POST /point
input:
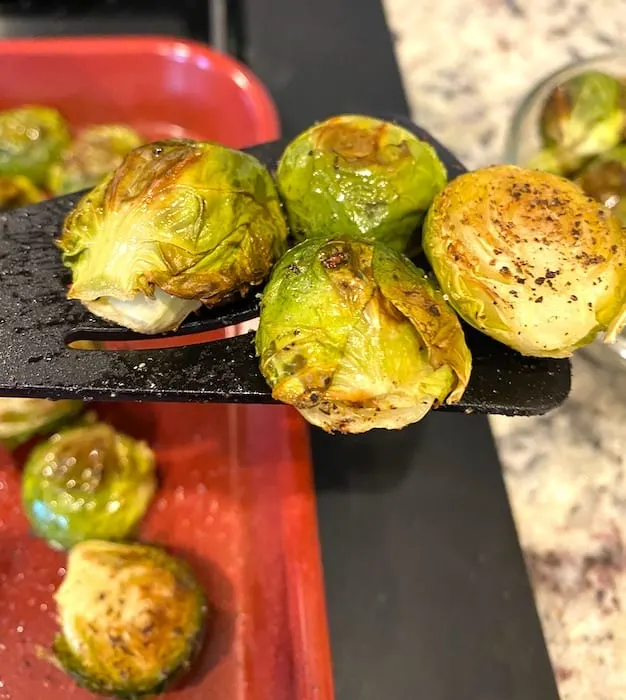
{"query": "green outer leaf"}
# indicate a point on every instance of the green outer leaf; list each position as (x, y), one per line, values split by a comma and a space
(197, 220)
(353, 330)
(419, 299)
(21, 419)
(304, 317)
(31, 139)
(528, 259)
(87, 482)
(358, 176)
(102, 672)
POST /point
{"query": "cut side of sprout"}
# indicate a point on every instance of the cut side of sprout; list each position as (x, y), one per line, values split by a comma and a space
(132, 619)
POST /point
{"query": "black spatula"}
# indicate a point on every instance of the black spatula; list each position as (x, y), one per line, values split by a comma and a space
(37, 322)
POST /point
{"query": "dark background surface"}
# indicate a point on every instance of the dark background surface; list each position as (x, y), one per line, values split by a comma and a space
(427, 593)
(426, 589)
(23, 18)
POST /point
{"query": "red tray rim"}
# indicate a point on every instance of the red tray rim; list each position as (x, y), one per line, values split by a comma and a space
(267, 120)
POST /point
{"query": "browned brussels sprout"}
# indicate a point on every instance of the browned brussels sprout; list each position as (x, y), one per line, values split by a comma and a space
(358, 176)
(581, 118)
(132, 618)
(21, 419)
(527, 258)
(17, 191)
(356, 337)
(87, 482)
(179, 224)
(95, 152)
(31, 140)
(604, 179)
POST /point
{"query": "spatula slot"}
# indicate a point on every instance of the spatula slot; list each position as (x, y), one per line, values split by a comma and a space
(81, 340)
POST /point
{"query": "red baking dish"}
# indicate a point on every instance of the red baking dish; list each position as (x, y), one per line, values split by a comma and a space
(161, 86)
(236, 496)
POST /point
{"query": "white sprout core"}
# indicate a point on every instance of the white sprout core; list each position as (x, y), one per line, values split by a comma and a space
(143, 314)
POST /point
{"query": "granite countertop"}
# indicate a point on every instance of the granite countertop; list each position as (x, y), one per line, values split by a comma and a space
(466, 66)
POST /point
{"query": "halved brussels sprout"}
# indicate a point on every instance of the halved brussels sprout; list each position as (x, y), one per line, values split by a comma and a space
(584, 116)
(21, 419)
(358, 176)
(17, 191)
(132, 618)
(528, 259)
(87, 482)
(604, 179)
(179, 224)
(95, 152)
(31, 140)
(356, 337)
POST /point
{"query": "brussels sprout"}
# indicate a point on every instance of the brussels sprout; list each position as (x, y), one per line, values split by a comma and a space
(358, 176)
(21, 419)
(551, 161)
(87, 482)
(604, 179)
(132, 618)
(31, 139)
(17, 191)
(179, 223)
(528, 259)
(584, 116)
(355, 337)
(94, 153)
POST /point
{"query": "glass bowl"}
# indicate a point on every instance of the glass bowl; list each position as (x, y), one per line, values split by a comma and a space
(523, 142)
(523, 139)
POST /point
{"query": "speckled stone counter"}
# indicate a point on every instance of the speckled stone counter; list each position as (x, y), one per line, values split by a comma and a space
(567, 484)
(466, 66)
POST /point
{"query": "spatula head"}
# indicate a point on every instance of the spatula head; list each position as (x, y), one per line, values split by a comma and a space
(37, 321)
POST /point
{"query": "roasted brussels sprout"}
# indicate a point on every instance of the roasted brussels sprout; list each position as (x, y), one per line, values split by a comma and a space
(21, 419)
(132, 618)
(604, 179)
(355, 337)
(87, 482)
(358, 176)
(584, 116)
(95, 152)
(17, 191)
(179, 223)
(528, 259)
(31, 139)
(550, 160)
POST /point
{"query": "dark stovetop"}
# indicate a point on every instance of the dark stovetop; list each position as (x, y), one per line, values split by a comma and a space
(428, 598)
(185, 18)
